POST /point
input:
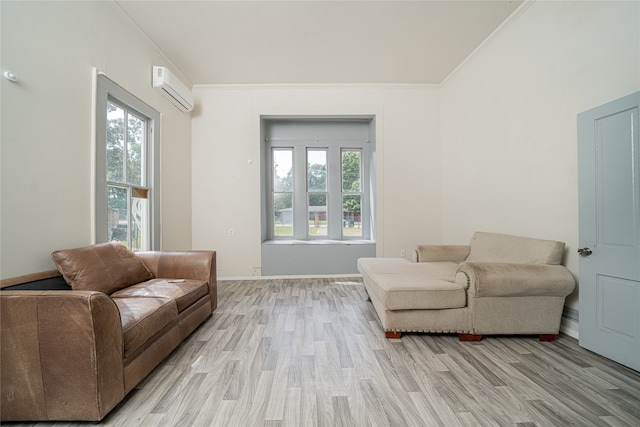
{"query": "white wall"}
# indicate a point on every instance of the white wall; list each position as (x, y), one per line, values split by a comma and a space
(226, 162)
(509, 118)
(493, 148)
(46, 135)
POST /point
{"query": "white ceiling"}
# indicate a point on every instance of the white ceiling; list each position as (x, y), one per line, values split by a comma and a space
(247, 42)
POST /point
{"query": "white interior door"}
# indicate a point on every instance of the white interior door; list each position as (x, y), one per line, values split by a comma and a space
(609, 179)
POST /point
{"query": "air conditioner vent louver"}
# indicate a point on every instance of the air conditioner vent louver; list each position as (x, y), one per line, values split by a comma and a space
(172, 88)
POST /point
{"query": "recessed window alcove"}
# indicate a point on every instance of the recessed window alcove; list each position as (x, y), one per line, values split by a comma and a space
(318, 193)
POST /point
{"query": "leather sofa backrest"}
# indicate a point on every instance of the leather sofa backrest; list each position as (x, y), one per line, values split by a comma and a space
(103, 267)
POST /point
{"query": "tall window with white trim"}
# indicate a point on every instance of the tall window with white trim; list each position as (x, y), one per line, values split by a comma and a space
(282, 194)
(318, 188)
(351, 161)
(317, 193)
(126, 179)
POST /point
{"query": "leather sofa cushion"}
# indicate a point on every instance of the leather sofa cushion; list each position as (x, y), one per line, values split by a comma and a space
(105, 267)
(402, 285)
(142, 318)
(184, 293)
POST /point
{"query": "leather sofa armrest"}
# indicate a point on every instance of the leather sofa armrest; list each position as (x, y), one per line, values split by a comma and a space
(196, 265)
(487, 279)
(61, 355)
(442, 253)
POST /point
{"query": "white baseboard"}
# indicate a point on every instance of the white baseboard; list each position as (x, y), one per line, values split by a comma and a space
(570, 327)
(311, 276)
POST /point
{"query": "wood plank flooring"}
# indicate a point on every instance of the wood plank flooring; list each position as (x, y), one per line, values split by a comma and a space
(310, 352)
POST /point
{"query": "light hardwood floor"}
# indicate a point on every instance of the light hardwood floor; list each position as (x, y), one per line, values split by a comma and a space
(310, 352)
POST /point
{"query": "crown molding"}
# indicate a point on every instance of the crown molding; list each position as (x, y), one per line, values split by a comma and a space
(136, 29)
(494, 35)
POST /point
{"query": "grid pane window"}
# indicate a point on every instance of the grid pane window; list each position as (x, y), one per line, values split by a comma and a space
(118, 205)
(317, 214)
(115, 143)
(283, 214)
(317, 192)
(128, 219)
(127, 166)
(351, 170)
(315, 183)
(316, 170)
(135, 150)
(283, 170)
(282, 201)
(140, 220)
(351, 192)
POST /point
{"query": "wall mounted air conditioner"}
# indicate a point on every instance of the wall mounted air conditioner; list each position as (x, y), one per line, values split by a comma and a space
(172, 88)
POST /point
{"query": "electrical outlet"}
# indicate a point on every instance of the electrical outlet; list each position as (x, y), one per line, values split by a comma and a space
(231, 232)
(403, 253)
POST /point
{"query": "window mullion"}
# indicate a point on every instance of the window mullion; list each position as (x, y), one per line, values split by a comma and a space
(129, 216)
(300, 222)
(125, 149)
(125, 173)
(364, 188)
(334, 182)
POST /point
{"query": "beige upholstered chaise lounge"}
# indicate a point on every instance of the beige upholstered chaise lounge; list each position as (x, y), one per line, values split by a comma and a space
(498, 284)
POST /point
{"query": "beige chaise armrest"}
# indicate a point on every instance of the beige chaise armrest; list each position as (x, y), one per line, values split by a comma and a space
(61, 355)
(196, 265)
(442, 253)
(489, 279)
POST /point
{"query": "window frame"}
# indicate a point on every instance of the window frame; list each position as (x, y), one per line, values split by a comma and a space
(334, 149)
(273, 192)
(107, 91)
(309, 192)
(348, 193)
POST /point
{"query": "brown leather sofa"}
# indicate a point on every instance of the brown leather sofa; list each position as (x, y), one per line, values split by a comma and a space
(75, 353)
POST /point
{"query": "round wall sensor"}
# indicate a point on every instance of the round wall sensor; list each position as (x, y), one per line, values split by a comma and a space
(9, 75)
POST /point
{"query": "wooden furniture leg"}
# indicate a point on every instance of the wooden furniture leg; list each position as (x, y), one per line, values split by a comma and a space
(469, 337)
(547, 337)
(392, 334)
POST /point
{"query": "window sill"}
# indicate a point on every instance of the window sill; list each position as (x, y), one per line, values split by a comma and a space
(293, 242)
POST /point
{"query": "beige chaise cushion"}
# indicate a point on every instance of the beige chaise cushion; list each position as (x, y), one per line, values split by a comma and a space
(402, 285)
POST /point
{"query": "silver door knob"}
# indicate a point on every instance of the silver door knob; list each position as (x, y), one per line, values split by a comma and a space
(585, 251)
